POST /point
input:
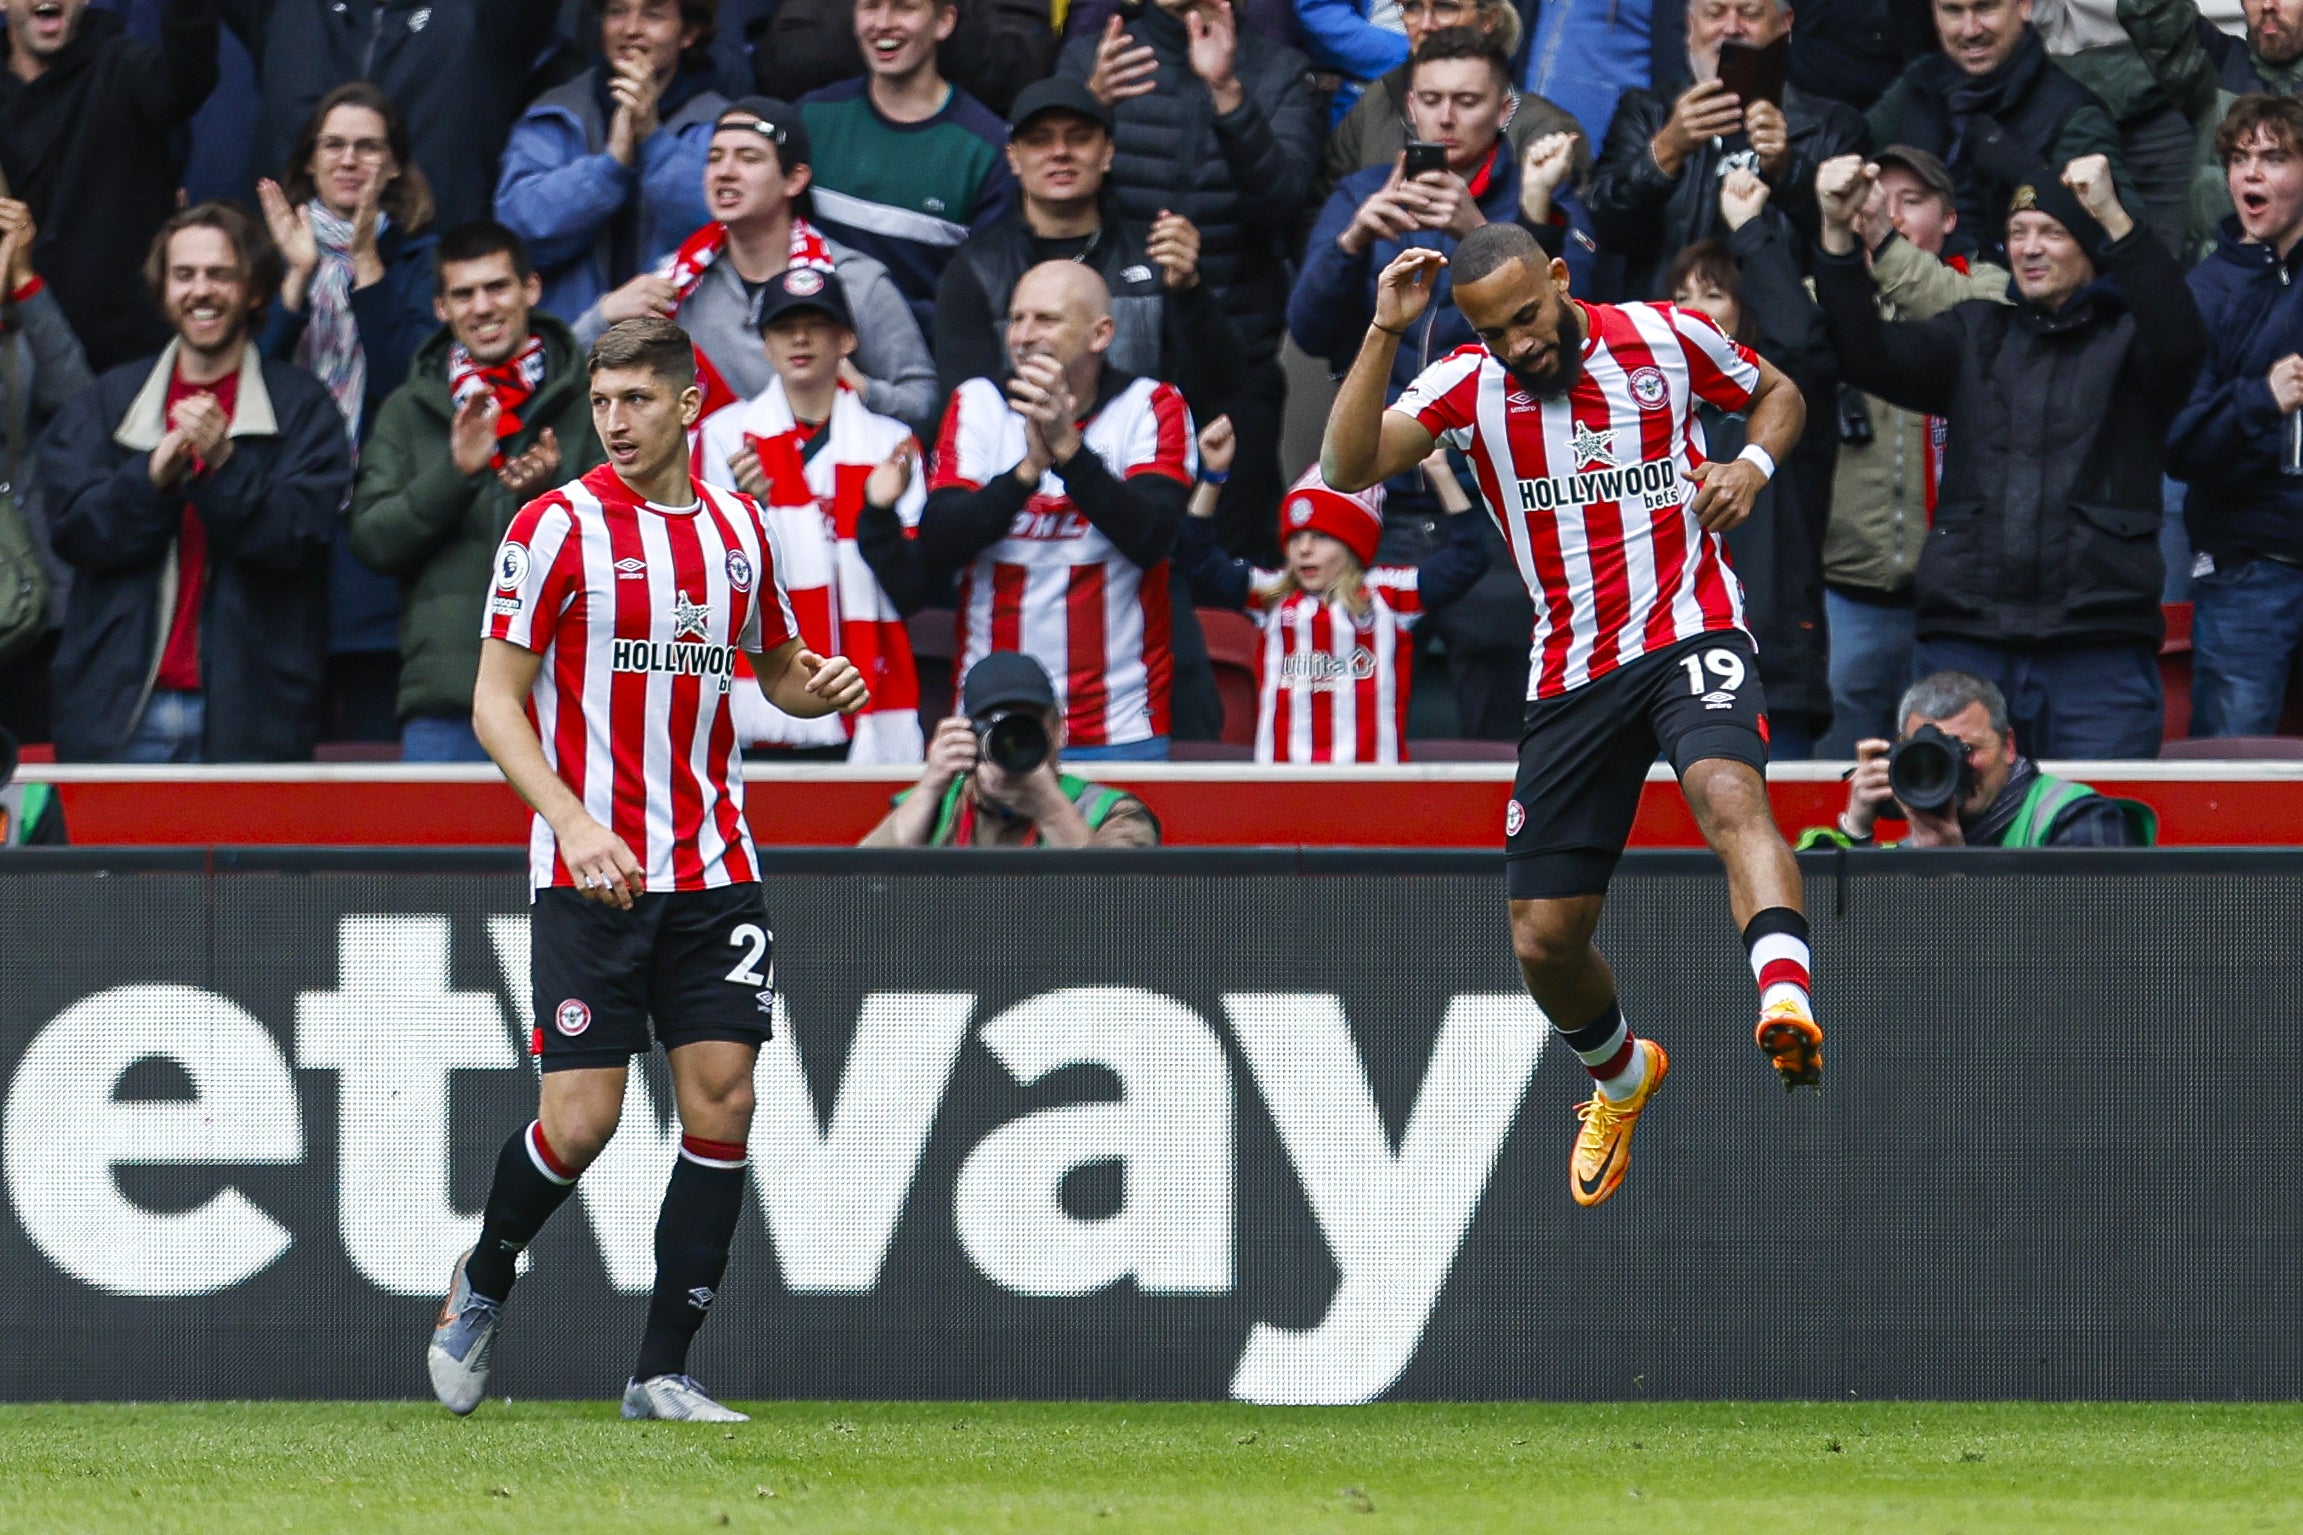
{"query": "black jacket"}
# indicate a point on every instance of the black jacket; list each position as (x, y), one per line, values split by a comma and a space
(1244, 179)
(268, 513)
(2228, 443)
(457, 68)
(1936, 106)
(88, 147)
(2047, 516)
(1778, 551)
(998, 48)
(1182, 337)
(1649, 218)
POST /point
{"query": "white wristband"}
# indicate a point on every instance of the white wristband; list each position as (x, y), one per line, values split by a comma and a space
(1757, 456)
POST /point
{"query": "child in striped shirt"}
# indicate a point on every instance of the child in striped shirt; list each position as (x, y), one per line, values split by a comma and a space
(1335, 668)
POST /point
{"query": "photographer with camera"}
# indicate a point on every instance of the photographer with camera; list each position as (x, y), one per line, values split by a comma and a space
(1955, 774)
(994, 777)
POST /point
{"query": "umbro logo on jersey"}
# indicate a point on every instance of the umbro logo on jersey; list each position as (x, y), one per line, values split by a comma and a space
(1591, 446)
(690, 618)
(1519, 399)
(1718, 700)
(701, 1297)
(767, 999)
(631, 568)
(1656, 479)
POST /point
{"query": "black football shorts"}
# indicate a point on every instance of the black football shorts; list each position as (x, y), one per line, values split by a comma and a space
(1584, 755)
(698, 963)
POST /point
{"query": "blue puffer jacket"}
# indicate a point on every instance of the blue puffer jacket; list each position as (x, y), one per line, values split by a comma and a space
(562, 192)
(2226, 442)
(1334, 299)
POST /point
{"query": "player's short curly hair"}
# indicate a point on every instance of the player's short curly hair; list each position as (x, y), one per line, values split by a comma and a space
(650, 342)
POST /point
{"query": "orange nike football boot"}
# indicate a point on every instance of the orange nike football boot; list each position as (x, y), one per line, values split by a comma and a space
(1602, 1153)
(1793, 1043)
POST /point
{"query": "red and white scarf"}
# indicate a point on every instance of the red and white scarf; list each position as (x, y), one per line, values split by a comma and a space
(811, 512)
(685, 268)
(513, 382)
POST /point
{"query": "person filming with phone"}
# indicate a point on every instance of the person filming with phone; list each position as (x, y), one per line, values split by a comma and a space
(995, 776)
(1656, 188)
(1955, 774)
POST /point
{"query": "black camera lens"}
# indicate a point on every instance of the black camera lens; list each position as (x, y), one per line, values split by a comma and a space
(1014, 740)
(1928, 770)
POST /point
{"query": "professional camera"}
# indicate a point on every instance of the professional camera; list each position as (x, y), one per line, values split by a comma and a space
(1928, 770)
(1016, 740)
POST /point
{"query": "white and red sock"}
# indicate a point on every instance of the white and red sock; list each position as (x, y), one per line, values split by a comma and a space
(1777, 941)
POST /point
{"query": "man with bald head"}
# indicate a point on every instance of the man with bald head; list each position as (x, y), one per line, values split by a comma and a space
(1580, 422)
(1057, 494)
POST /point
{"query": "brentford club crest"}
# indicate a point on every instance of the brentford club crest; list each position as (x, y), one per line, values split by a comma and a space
(572, 1018)
(1648, 391)
(1299, 511)
(1514, 817)
(739, 571)
(804, 282)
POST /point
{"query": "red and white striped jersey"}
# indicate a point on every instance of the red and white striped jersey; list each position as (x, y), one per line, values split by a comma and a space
(1055, 588)
(1333, 685)
(814, 498)
(639, 611)
(1592, 489)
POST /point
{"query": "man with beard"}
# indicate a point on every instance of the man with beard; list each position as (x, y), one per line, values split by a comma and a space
(1579, 421)
(2203, 71)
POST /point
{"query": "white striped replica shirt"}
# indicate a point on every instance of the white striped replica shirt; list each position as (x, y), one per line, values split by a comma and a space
(815, 494)
(1055, 588)
(639, 611)
(1334, 684)
(1592, 488)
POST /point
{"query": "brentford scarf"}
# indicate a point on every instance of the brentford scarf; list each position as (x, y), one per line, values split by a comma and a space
(850, 615)
(686, 267)
(513, 382)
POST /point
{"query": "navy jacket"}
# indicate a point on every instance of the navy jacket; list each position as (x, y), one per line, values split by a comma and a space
(1334, 298)
(2226, 443)
(268, 513)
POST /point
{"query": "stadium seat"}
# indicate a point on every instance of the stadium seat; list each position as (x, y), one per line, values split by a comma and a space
(935, 646)
(2235, 749)
(2175, 671)
(1462, 751)
(1232, 649)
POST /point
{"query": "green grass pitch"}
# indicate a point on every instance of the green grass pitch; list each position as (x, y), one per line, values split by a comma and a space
(984, 1468)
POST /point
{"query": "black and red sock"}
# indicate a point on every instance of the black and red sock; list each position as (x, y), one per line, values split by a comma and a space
(693, 1233)
(531, 1182)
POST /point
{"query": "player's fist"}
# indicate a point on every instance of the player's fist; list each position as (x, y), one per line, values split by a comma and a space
(601, 865)
(835, 680)
(1726, 493)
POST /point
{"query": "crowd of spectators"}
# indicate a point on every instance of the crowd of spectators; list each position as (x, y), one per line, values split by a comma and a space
(994, 301)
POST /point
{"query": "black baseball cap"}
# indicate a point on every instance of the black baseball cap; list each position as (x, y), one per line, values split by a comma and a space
(803, 287)
(1006, 679)
(1059, 94)
(779, 123)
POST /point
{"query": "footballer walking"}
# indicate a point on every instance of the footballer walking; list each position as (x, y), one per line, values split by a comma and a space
(1580, 422)
(620, 602)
